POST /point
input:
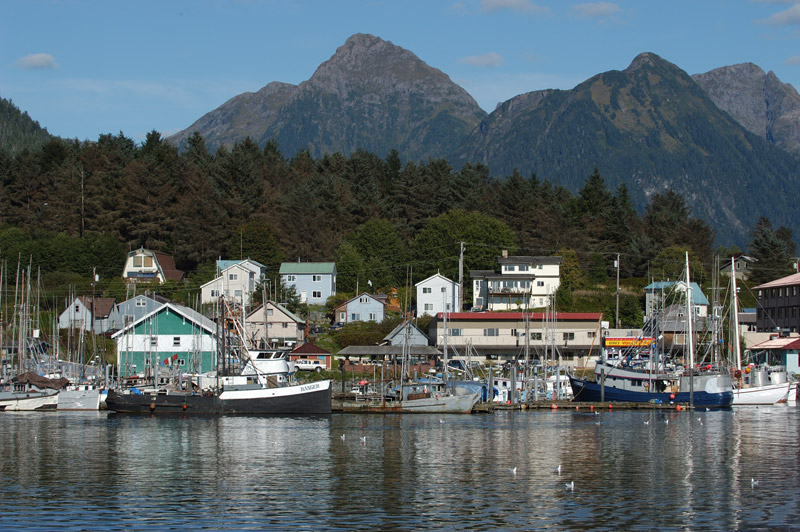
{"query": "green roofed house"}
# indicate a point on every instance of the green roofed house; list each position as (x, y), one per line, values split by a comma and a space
(171, 335)
(314, 282)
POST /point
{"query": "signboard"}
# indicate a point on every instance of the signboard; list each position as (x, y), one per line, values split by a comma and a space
(629, 342)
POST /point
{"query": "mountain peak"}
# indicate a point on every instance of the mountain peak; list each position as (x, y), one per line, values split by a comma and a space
(645, 59)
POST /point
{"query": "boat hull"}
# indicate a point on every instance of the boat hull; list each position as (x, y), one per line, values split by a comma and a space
(86, 398)
(28, 401)
(762, 395)
(590, 391)
(305, 399)
(449, 404)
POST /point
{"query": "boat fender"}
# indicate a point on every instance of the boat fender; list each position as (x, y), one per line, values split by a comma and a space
(184, 406)
(672, 397)
(152, 406)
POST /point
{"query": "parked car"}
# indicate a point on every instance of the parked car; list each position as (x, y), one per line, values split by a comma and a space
(336, 326)
(309, 364)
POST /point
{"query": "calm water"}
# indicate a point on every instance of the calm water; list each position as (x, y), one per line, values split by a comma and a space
(93, 471)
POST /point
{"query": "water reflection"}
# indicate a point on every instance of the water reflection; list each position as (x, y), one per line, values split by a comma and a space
(631, 470)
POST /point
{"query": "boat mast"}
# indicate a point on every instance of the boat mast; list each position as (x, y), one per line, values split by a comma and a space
(735, 317)
(689, 332)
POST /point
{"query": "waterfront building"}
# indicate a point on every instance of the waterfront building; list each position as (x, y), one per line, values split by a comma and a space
(314, 282)
(523, 283)
(437, 294)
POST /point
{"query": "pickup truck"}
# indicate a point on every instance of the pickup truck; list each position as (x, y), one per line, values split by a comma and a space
(309, 364)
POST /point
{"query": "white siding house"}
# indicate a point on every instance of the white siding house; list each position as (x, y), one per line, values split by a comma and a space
(236, 281)
(437, 294)
(523, 282)
(314, 282)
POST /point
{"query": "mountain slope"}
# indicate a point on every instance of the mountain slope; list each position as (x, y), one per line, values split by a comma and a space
(760, 102)
(649, 126)
(18, 130)
(370, 95)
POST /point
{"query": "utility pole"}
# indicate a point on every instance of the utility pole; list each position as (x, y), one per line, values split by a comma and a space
(616, 313)
(461, 279)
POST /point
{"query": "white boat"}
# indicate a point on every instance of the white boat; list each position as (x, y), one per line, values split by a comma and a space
(30, 400)
(80, 397)
(754, 385)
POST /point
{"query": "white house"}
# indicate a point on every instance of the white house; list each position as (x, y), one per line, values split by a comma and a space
(523, 282)
(437, 294)
(236, 280)
(658, 297)
(147, 266)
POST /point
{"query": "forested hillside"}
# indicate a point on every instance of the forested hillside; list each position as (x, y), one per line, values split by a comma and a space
(19, 131)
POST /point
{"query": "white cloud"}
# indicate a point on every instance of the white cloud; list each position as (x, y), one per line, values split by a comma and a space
(594, 10)
(784, 18)
(37, 61)
(521, 6)
(794, 60)
(490, 60)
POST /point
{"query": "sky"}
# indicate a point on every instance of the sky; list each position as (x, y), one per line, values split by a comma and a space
(83, 68)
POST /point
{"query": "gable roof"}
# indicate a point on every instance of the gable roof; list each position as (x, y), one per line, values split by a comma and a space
(308, 267)
(102, 305)
(698, 297)
(401, 327)
(167, 265)
(189, 314)
(352, 299)
(259, 311)
(434, 276)
(310, 348)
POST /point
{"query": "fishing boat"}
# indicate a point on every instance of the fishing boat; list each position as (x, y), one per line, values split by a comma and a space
(754, 385)
(261, 388)
(29, 392)
(642, 378)
(429, 397)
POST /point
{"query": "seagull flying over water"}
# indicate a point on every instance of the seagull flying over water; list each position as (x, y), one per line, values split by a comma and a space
(570, 486)
(646, 422)
(753, 483)
(342, 437)
(363, 440)
(559, 469)
(513, 470)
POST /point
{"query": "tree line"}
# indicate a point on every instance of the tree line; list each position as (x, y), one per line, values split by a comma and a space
(79, 205)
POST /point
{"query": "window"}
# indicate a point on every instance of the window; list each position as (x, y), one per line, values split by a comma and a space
(316, 278)
(154, 341)
(524, 267)
(316, 294)
(591, 334)
(342, 316)
(540, 266)
(569, 336)
(176, 341)
(759, 294)
(428, 306)
(77, 309)
(140, 302)
(290, 278)
(269, 311)
(137, 261)
(455, 332)
(491, 332)
(355, 317)
(536, 336)
(373, 316)
(364, 299)
(214, 293)
(426, 289)
(780, 292)
(148, 262)
(285, 325)
(233, 276)
(181, 362)
(444, 289)
(147, 362)
(509, 268)
(539, 283)
(237, 293)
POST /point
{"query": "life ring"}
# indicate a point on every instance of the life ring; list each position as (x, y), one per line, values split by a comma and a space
(647, 385)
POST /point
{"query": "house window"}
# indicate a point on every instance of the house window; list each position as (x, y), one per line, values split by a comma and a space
(181, 362)
(536, 336)
(147, 362)
(759, 294)
(455, 332)
(214, 293)
(444, 289)
(269, 312)
(509, 268)
(137, 261)
(491, 332)
(290, 278)
(428, 306)
(794, 290)
(233, 276)
(523, 267)
(426, 290)
(285, 325)
(316, 278)
(591, 334)
(342, 316)
(569, 336)
(539, 283)
(154, 341)
(316, 293)
(140, 302)
(355, 316)
(148, 262)
(127, 319)
(176, 341)
(540, 266)
(363, 300)
(780, 292)
(373, 316)
(77, 309)
(237, 293)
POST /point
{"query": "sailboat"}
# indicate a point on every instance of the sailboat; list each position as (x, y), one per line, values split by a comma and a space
(650, 380)
(754, 385)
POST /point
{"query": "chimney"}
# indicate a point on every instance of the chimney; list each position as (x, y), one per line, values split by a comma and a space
(504, 254)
